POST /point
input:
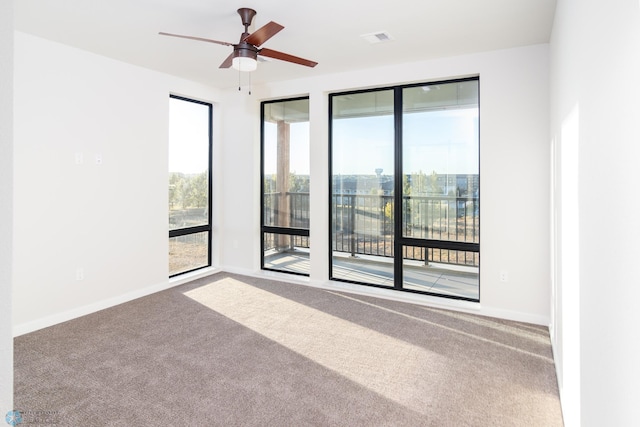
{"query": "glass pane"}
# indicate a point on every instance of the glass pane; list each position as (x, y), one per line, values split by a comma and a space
(188, 163)
(188, 252)
(362, 187)
(441, 162)
(286, 253)
(440, 189)
(440, 271)
(286, 164)
(441, 218)
(363, 269)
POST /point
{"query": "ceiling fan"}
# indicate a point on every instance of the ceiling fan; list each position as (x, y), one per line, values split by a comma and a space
(245, 52)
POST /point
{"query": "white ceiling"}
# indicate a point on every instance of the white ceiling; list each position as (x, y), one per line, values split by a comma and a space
(326, 31)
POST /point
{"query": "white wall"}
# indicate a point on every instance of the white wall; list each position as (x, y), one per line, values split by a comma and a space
(514, 97)
(108, 219)
(595, 69)
(6, 201)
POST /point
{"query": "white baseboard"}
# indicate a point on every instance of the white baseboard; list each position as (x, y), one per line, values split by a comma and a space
(516, 316)
(426, 300)
(194, 275)
(54, 319)
(412, 298)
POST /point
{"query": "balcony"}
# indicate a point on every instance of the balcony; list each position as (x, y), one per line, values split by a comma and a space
(363, 245)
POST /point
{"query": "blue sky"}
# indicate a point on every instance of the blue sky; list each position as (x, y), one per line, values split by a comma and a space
(444, 141)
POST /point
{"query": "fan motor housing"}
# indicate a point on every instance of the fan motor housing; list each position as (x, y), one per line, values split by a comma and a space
(245, 50)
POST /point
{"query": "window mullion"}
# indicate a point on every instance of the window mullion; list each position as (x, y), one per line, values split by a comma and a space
(397, 197)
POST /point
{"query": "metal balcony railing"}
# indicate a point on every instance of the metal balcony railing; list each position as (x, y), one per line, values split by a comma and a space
(364, 224)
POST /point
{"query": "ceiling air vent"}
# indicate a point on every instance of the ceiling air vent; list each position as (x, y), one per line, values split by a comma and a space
(377, 37)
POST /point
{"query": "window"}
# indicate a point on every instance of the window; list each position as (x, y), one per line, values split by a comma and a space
(405, 206)
(189, 185)
(285, 185)
(363, 182)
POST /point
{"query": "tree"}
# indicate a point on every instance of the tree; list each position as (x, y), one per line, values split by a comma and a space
(388, 210)
(199, 190)
(176, 189)
(434, 187)
(188, 191)
(298, 183)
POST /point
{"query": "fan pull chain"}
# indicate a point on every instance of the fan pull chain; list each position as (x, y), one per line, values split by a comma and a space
(240, 82)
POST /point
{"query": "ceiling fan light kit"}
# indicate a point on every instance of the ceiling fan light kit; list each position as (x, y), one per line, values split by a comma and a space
(243, 63)
(245, 57)
(245, 52)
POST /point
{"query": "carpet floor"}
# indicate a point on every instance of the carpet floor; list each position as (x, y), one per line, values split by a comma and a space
(229, 350)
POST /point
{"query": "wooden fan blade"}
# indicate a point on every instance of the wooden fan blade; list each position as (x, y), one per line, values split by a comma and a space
(196, 38)
(227, 62)
(263, 33)
(286, 57)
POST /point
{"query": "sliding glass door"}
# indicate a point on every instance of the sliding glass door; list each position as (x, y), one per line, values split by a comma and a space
(405, 206)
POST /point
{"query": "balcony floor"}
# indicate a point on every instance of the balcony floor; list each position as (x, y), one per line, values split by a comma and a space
(440, 279)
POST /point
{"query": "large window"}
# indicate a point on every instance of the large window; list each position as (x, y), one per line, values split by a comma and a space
(363, 180)
(405, 207)
(189, 185)
(285, 186)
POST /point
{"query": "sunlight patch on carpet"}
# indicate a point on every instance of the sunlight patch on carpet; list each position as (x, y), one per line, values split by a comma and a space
(450, 329)
(374, 360)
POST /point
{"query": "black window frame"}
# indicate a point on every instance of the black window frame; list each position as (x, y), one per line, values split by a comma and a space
(399, 240)
(266, 229)
(207, 227)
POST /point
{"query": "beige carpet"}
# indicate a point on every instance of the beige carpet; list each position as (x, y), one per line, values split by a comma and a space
(236, 351)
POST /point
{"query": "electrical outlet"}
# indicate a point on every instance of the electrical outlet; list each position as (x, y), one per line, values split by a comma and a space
(79, 274)
(504, 276)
